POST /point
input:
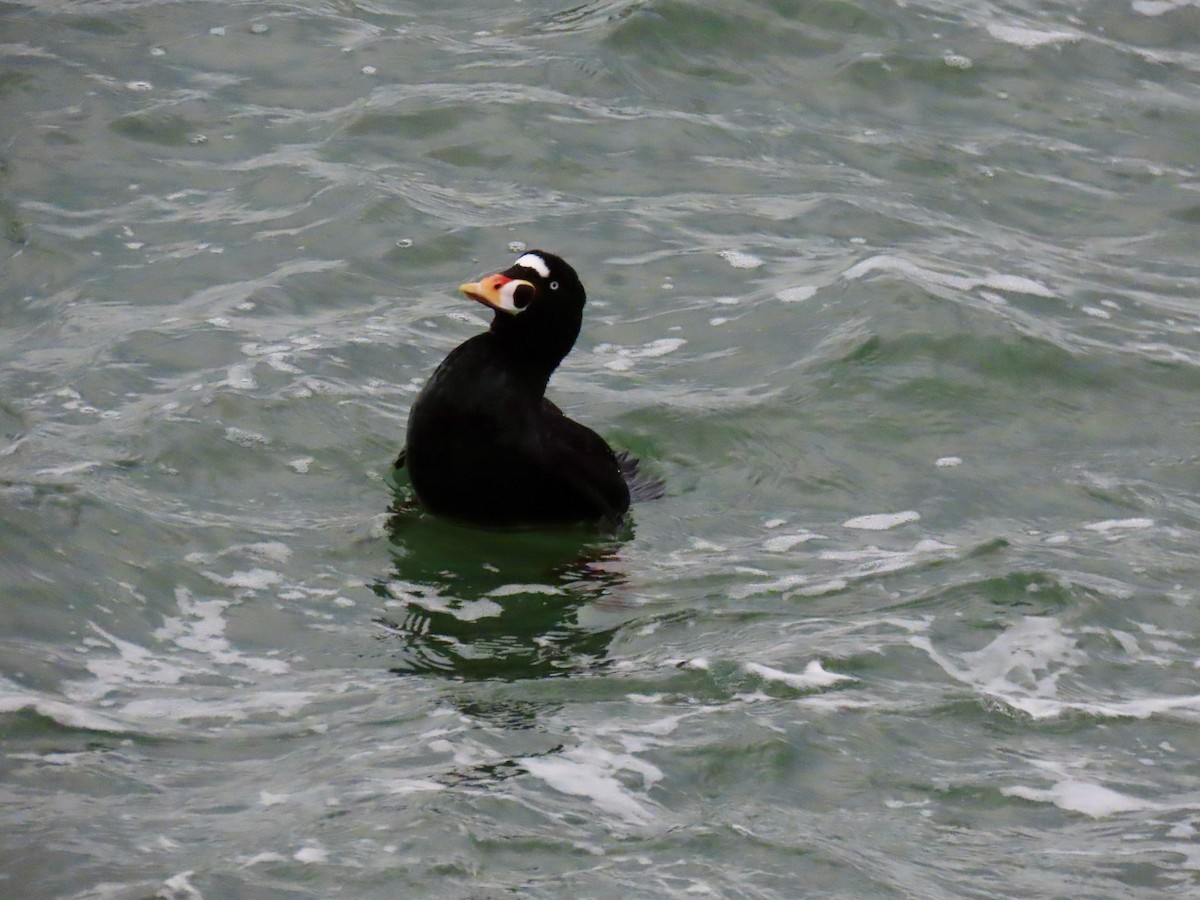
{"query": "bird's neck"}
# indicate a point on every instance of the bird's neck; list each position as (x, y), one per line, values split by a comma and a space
(530, 361)
(524, 368)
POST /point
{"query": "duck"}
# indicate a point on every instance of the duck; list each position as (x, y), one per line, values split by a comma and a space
(485, 447)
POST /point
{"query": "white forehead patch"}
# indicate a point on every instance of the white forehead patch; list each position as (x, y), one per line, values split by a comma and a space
(535, 262)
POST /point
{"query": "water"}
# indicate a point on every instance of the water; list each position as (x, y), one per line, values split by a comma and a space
(899, 298)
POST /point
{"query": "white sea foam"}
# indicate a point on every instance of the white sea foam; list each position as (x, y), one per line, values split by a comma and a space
(796, 294)
(647, 699)
(200, 627)
(591, 772)
(839, 701)
(70, 469)
(1016, 284)
(466, 318)
(14, 698)
(179, 887)
(66, 760)
(661, 347)
(275, 551)
(1030, 37)
(251, 579)
(864, 562)
(508, 590)
(301, 464)
(311, 855)
(278, 362)
(411, 786)
(463, 610)
(829, 586)
(657, 727)
(1159, 7)
(133, 665)
(199, 630)
(182, 708)
(624, 357)
(268, 856)
(740, 259)
(814, 676)
(245, 438)
(240, 377)
(781, 543)
(1022, 667)
(1120, 525)
(1093, 800)
(882, 521)
(778, 585)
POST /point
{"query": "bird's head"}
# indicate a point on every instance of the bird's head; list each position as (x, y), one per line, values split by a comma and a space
(538, 303)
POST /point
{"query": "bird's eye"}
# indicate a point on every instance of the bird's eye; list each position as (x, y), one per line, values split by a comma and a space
(523, 296)
(554, 285)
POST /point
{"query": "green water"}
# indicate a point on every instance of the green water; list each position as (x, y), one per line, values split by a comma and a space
(900, 299)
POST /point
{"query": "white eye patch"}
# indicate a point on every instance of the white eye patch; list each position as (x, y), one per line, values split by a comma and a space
(535, 262)
(515, 296)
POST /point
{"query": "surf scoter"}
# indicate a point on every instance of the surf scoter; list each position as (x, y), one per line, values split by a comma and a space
(485, 446)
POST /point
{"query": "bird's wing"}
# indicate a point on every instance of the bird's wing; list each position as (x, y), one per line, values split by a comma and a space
(585, 465)
(586, 444)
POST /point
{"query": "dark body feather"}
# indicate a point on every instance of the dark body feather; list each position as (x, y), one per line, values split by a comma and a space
(486, 446)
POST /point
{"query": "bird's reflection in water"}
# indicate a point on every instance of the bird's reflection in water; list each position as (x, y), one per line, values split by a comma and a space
(473, 604)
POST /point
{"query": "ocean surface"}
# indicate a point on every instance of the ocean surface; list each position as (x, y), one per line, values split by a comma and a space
(901, 300)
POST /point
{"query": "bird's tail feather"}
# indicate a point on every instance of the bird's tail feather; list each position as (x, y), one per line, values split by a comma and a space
(641, 485)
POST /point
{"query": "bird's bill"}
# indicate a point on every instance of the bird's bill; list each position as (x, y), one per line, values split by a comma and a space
(500, 292)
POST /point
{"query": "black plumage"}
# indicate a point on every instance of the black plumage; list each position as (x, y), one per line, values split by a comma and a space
(485, 446)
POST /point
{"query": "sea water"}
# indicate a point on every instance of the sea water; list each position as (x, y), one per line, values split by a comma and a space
(900, 300)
